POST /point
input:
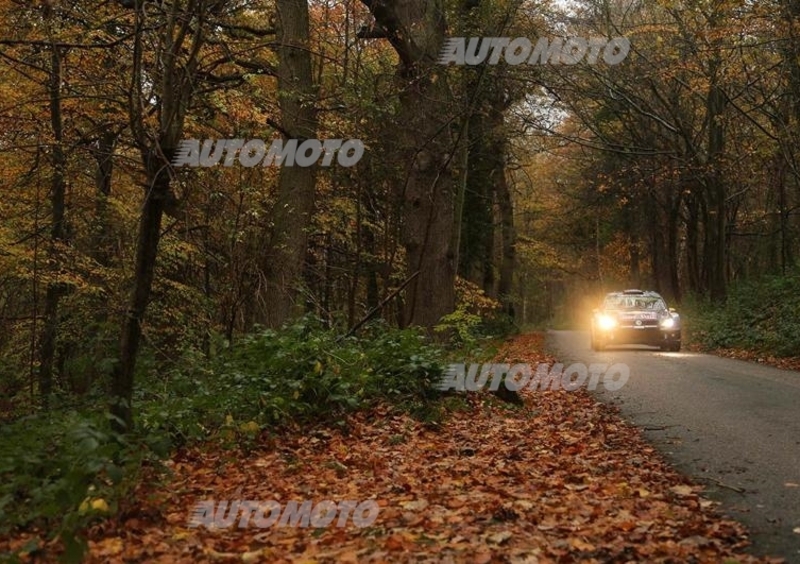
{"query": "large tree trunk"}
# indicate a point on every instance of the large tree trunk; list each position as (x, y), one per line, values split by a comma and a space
(295, 202)
(476, 250)
(673, 221)
(428, 137)
(693, 251)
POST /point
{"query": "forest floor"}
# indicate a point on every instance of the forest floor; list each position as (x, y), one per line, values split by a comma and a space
(560, 479)
(783, 362)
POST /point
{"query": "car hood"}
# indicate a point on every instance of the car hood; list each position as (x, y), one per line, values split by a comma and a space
(637, 313)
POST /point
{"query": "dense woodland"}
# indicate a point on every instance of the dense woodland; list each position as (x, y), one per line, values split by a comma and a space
(490, 194)
(146, 308)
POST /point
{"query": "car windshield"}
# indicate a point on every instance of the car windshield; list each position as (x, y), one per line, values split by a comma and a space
(634, 302)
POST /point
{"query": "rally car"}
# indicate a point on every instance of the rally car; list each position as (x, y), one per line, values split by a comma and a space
(636, 317)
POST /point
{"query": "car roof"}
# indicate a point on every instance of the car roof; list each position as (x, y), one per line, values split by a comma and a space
(643, 293)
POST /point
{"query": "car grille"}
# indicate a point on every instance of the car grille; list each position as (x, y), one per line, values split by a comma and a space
(644, 319)
(639, 323)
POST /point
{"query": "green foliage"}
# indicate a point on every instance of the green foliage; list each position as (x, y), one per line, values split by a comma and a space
(60, 471)
(301, 373)
(761, 315)
(462, 325)
(55, 466)
(476, 317)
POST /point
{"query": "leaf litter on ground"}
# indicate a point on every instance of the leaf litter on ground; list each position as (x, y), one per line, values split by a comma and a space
(561, 479)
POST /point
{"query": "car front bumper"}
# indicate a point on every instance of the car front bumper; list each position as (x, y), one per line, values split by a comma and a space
(654, 336)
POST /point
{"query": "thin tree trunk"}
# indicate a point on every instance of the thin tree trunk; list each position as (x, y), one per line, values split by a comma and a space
(58, 230)
(717, 268)
(509, 238)
(693, 244)
(144, 270)
(104, 155)
(673, 220)
(182, 34)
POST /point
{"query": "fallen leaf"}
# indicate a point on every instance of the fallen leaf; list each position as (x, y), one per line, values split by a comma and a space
(682, 490)
(580, 544)
(500, 538)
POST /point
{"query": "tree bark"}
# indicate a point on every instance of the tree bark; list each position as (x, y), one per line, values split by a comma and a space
(144, 271)
(179, 46)
(715, 185)
(428, 136)
(58, 232)
(295, 201)
(509, 238)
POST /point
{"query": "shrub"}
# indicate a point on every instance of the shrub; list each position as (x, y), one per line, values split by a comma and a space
(761, 315)
(61, 470)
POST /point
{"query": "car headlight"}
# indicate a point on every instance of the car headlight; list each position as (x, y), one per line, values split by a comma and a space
(606, 322)
(668, 323)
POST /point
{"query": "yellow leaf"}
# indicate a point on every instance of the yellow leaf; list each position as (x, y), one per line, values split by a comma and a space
(255, 556)
(100, 505)
(90, 504)
(250, 427)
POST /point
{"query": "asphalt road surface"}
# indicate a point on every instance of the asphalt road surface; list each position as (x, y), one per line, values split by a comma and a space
(727, 424)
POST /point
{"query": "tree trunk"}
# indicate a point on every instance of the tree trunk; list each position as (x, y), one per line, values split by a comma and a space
(180, 43)
(693, 269)
(295, 201)
(58, 231)
(509, 238)
(717, 268)
(144, 270)
(673, 219)
(428, 136)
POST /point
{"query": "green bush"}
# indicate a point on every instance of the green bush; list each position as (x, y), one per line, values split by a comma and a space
(55, 465)
(59, 471)
(761, 315)
(301, 373)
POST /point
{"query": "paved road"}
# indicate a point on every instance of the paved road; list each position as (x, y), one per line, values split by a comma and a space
(719, 421)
